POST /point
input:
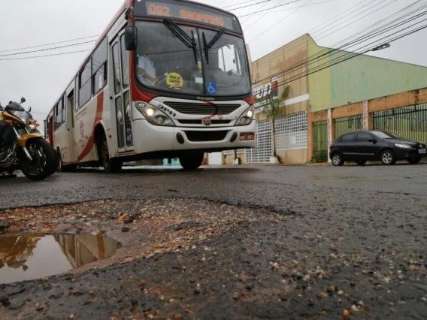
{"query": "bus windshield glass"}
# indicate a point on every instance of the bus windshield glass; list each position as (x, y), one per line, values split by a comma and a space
(191, 60)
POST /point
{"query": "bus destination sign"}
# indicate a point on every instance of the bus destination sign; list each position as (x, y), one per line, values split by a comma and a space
(188, 11)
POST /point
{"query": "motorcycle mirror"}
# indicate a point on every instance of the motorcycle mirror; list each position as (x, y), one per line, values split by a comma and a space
(23, 100)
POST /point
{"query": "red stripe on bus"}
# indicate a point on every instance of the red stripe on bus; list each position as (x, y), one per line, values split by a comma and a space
(98, 117)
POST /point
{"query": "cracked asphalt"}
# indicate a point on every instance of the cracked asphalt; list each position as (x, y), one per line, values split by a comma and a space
(312, 242)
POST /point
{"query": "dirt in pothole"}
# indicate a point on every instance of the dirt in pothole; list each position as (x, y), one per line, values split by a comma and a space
(191, 259)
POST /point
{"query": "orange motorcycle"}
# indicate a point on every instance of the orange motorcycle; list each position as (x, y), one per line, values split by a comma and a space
(22, 147)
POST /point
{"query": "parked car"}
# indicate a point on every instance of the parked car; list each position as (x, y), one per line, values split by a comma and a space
(363, 146)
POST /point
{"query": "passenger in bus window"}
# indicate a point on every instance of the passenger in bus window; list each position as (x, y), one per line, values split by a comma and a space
(146, 70)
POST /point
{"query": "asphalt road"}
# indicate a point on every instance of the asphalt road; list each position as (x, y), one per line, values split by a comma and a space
(302, 190)
(362, 229)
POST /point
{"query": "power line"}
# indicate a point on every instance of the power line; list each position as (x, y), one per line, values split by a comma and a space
(359, 17)
(329, 52)
(48, 44)
(270, 8)
(375, 26)
(250, 5)
(238, 4)
(330, 26)
(289, 13)
(47, 49)
(46, 55)
(373, 34)
(348, 56)
(343, 14)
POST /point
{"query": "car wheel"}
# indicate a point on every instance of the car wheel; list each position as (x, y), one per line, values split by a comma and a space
(414, 160)
(337, 160)
(361, 162)
(388, 158)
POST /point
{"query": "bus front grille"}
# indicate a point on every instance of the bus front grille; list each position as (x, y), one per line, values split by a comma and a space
(200, 122)
(202, 108)
(201, 136)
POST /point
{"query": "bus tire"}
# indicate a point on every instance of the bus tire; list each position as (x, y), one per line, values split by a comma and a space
(109, 165)
(192, 160)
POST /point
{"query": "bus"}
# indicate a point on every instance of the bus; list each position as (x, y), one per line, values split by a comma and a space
(167, 79)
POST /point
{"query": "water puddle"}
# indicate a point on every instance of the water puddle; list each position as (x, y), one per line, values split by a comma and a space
(29, 257)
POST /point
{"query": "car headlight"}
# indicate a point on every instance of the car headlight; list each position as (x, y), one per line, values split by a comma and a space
(154, 115)
(246, 118)
(402, 146)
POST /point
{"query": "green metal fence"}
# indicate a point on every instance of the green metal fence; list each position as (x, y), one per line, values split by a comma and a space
(407, 122)
(348, 124)
(320, 141)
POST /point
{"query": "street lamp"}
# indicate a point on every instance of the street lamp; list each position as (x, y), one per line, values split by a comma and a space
(382, 47)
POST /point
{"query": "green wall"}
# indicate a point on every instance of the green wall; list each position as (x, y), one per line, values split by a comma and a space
(361, 78)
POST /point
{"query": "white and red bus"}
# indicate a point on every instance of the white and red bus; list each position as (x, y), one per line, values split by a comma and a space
(168, 78)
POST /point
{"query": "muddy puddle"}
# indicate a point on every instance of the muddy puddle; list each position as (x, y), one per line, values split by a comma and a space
(29, 257)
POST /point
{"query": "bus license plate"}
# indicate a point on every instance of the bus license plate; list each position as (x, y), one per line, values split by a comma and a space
(247, 136)
(422, 151)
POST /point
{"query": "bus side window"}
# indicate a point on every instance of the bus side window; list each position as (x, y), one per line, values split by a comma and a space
(99, 67)
(63, 112)
(85, 83)
(70, 107)
(57, 116)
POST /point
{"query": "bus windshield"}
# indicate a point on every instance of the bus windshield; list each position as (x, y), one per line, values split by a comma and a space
(191, 60)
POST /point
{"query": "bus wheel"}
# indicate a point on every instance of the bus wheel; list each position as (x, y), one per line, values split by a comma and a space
(191, 160)
(109, 165)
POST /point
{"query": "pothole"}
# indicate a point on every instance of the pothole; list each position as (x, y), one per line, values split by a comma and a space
(29, 257)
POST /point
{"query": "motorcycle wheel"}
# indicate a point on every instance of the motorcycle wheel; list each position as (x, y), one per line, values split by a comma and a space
(44, 161)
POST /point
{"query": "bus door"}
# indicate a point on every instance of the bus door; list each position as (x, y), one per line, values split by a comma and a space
(70, 105)
(122, 105)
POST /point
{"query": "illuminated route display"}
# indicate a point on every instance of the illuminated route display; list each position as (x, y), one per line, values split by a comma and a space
(187, 11)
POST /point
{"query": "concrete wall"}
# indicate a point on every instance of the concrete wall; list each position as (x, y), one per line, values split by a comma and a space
(293, 156)
(277, 65)
(361, 78)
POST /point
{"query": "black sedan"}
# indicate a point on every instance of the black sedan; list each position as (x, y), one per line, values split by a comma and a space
(363, 146)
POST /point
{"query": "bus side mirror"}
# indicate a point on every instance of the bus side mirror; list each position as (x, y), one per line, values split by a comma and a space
(130, 38)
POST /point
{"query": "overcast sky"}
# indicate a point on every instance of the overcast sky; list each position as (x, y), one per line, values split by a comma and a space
(29, 22)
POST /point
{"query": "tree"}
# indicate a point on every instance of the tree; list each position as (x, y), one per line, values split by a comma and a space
(274, 103)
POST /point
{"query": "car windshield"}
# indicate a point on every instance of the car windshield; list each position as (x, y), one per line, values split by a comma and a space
(383, 135)
(192, 61)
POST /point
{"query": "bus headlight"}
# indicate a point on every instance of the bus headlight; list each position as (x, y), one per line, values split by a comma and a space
(246, 118)
(154, 115)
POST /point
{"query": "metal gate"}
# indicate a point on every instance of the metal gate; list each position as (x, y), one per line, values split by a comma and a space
(264, 144)
(407, 122)
(348, 124)
(320, 141)
(291, 132)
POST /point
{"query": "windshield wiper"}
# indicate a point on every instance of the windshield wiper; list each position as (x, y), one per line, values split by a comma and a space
(207, 46)
(178, 32)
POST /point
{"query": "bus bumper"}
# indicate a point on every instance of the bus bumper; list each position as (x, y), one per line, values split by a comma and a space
(149, 138)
